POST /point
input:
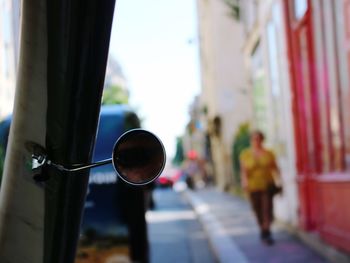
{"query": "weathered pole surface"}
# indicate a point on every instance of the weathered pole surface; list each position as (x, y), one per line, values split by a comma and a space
(21, 200)
(63, 56)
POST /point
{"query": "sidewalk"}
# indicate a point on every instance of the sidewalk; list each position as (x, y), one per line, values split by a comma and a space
(234, 235)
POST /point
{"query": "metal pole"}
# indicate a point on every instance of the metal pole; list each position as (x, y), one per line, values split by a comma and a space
(21, 200)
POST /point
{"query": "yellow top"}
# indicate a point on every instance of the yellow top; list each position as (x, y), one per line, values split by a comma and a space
(259, 169)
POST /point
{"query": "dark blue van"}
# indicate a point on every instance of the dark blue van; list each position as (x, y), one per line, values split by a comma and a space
(4, 133)
(113, 225)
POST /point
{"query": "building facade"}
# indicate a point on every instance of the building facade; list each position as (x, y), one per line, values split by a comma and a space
(114, 74)
(266, 61)
(9, 56)
(318, 50)
(9, 52)
(224, 95)
(298, 60)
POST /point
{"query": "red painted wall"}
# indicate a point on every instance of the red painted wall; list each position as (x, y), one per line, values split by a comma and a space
(323, 197)
(335, 210)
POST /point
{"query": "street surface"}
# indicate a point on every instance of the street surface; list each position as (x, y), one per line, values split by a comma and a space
(207, 225)
(234, 235)
(175, 234)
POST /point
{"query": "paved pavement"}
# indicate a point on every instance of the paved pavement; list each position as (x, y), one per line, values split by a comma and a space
(175, 234)
(234, 236)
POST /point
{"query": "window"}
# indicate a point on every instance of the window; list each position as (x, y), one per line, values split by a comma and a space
(300, 8)
(260, 92)
(278, 99)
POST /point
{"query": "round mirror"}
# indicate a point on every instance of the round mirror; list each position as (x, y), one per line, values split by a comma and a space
(138, 157)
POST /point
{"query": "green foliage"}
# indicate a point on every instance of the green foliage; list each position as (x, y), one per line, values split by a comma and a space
(241, 142)
(191, 127)
(179, 155)
(235, 8)
(132, 121)
(114, 95)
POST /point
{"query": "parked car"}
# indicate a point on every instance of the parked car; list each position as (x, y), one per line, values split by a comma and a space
(4, 133)
(169, 177)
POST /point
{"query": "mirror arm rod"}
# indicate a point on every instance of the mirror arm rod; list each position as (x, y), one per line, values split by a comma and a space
(78, 167)
(42, 160)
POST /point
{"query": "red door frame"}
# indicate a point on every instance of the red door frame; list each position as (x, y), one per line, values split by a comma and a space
(346, 11)
(322, 195)
(307, 166)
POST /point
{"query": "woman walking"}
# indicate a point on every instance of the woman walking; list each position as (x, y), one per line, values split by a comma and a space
(259, 172)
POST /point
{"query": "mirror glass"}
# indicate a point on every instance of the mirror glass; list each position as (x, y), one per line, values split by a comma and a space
(138, 157)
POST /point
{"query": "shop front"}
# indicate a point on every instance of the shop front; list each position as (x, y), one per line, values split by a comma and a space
(318, 37)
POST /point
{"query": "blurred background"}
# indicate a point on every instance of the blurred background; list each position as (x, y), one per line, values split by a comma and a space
(201, 75)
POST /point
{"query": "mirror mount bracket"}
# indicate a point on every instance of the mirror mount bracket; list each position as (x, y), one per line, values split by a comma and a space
(40, 160)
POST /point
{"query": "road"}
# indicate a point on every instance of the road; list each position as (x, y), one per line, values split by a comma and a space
(175, 234)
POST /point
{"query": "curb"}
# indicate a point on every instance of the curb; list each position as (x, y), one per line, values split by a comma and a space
(224, 248)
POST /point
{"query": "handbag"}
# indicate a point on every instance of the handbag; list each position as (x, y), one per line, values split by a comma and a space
(274, 189)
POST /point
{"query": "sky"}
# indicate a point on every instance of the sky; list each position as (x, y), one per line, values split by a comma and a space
(155, 42)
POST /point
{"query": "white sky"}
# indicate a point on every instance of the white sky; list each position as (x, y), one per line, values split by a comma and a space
(150, 39)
